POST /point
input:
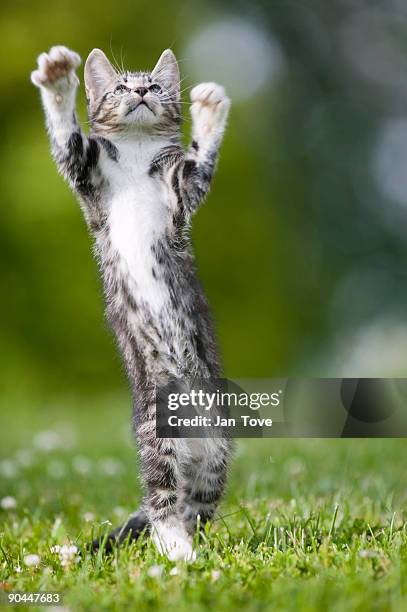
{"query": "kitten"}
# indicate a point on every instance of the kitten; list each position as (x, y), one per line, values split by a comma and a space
(138, 190)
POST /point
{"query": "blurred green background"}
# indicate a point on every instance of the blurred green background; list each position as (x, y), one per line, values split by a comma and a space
(301, 248)
(301, 245)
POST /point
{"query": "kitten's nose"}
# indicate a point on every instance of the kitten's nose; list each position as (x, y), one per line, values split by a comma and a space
(141, 91)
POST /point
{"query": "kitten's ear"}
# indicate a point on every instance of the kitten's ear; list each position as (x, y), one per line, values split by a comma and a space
(99, 74)
(166, 71)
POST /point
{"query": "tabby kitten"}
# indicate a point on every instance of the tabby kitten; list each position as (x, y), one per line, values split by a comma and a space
(138, 190)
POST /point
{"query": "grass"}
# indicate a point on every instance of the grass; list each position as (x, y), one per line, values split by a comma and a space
(306, 524)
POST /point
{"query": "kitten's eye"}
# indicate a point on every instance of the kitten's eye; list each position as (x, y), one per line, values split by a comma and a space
(155, 88)
(120, 90)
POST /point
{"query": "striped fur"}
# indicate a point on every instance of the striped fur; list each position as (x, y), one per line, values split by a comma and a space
(138, 190)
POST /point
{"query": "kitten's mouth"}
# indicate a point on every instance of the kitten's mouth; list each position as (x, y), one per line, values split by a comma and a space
(141, 103)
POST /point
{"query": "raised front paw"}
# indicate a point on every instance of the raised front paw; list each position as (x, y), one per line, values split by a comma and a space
(56, 69)
(209, 110)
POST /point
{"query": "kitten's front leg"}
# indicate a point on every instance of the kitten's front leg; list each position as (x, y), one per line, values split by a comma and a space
(209, 112)
(76, 155)
(58, 83)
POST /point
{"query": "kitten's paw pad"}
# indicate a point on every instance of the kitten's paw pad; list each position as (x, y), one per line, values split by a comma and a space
(56, 69)
(210, 106)
(174, 543)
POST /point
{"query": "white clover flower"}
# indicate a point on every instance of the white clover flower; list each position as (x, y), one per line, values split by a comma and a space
(215, 575)
(8, 468)
(8, 503)
(25, 457)
(88, 517)
(18, 569)
(368, 553)
(32, 560)
(295, 466)
(174, 571)
(55, 527)
(82, 465)
(47, 440)
(155, 571)
(119, 511)
(110, 467)
(56, 469)
(68, 554)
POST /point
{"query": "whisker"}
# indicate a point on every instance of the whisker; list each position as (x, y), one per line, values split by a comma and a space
(114, 63)
(122, 58)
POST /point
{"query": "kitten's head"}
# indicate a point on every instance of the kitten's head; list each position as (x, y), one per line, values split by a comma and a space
(130, 101)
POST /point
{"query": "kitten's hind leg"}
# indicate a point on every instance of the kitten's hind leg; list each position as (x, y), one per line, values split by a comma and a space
(132, 529)
(204, 483)
(160, 461)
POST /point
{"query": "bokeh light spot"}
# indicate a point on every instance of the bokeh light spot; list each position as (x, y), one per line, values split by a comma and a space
(390, 161)
(238, 55)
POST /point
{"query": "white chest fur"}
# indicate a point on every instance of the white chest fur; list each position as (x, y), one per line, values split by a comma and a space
(138, 214)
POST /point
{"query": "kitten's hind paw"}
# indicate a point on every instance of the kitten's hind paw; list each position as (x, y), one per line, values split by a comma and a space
(56, 69)
(174, 542)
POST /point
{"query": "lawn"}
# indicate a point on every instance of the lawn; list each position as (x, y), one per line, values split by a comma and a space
(306, 524)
